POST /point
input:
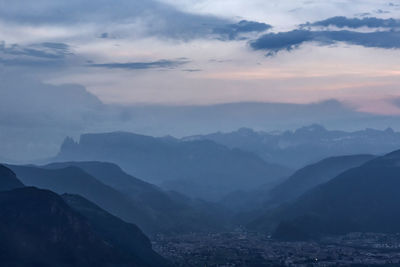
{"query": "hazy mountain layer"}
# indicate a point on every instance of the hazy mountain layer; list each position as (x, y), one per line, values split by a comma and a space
(111, 175)
(306, 145)
(197, 168)
(176, 211)
(141, 203)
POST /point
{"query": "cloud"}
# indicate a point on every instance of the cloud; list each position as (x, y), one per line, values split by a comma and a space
(354, 23)
(127, 17)
(43, 104)
(388, 39)
(73, 11)
(275, 42)
(104, 35)
(34, 55)
(235, 31)
(46, 50)
(21, 62)
(160, 64)
(192, 70)
(35, 116)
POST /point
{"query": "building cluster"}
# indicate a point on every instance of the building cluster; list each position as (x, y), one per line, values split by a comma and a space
(251, 249)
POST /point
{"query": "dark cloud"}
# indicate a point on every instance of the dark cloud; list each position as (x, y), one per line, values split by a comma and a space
(380, 11)
(104, 35)
(235, 31)
(215, 60)
(50, 55)
(34, 55)
(192, 70)
(26, 63)
(42, 50)
(354, 23)
(159, 64)
(364, 14)
(275, 42)
(61, 47)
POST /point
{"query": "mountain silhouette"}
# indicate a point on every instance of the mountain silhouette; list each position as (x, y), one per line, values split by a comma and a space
(312, 175)
(272, 195)
(37, 228)
(112, 175)
(361, 199)
(127, 237)
(8, 179)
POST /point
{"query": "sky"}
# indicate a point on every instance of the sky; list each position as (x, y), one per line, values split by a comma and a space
(183, 52)
(67, 67)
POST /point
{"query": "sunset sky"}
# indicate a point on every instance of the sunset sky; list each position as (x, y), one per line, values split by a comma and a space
(209, 51)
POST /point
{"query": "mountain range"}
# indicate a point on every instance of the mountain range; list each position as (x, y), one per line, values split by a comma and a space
(196, 168)
(306, 145)
(336, 195)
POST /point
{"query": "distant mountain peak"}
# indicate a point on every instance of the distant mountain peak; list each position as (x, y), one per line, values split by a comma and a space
(68, 143)
(389, 130)
(314, 128)
(331, 103)
(245, 131)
